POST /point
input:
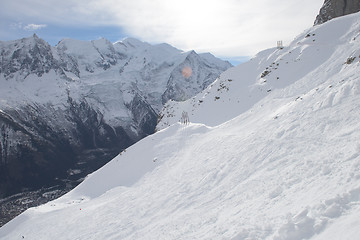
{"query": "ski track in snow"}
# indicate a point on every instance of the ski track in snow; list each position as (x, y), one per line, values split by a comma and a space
(287, 166)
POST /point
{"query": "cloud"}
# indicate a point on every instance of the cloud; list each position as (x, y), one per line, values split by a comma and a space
(33, 27)
(226, 28)
(28, 27)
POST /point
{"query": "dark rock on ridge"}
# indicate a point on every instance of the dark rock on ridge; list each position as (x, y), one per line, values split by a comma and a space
(336, 8)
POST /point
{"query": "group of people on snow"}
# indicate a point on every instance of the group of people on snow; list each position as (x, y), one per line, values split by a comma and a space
(185, 118)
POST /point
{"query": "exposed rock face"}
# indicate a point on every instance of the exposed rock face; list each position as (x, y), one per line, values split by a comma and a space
(336, 8)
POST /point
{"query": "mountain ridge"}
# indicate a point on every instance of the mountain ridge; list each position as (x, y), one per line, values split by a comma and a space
(273, 69)
(76, 105)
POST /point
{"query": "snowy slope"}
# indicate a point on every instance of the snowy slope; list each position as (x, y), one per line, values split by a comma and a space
(283, 164)
(321, 50)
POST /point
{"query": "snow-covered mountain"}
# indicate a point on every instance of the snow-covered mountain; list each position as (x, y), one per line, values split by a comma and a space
(327, 50)
(274, 153)
(68, 109)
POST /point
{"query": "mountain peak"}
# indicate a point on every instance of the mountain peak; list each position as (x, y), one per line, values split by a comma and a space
(133, 42)
(32, 40)
(336, 8)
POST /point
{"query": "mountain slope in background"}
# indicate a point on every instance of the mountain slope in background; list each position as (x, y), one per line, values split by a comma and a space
(282, 164)
(67, 110)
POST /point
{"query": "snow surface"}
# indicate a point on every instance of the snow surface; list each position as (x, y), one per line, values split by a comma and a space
(282, 164)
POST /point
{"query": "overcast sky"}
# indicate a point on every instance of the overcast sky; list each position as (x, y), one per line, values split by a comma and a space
(229, 29)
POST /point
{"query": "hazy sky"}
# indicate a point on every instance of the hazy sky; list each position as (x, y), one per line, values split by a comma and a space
(227, 28)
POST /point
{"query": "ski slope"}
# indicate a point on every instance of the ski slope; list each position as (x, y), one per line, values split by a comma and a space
(283, 165)
(317, 54)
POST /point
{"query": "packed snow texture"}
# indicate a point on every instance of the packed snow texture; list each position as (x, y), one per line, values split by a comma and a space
(282, 164)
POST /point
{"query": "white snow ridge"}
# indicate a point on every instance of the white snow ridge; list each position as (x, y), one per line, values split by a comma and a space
(275, 154)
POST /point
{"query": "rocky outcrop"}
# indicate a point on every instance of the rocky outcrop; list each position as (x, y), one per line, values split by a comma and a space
(336, 8)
